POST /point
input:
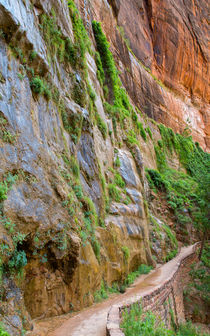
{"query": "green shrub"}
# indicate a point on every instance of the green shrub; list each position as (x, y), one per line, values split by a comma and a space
(148, 130)
(20, 76)
(72, 124)
(101, 294)
(3, 190)
(106, 92)
(38, 86)
(118, 180)
(171, 255)
(79, 93)
(18, 260)
(121, 107)
(155, 179)
(78, 191)
(7, 136)
(170, 234)
(33, 55)
(126, 252)
(135, 324)
(206, 255)
(189, 330)
(82, 41)
(160, 157)
(91, 93)
(74, 167)
(201, 277)
(6, 222)
(100, 72)
(144, 269)
(101, 125)
(114, 193)
(96, 247)
(142, 131)
(180, 190)
(52, 36)
(2, 331)
(168, 137)
(70, 52)
(117, 162)
(120, 287)
(131, 138)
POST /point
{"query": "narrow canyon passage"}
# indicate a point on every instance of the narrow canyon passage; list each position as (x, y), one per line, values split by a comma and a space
(92, 321)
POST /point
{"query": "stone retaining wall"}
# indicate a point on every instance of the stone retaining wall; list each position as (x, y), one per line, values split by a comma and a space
(162, 299)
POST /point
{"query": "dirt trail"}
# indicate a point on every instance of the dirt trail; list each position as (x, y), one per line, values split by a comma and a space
(92, 321)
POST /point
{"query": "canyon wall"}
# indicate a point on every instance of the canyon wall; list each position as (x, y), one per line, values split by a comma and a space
(75, 209)
(162, 52)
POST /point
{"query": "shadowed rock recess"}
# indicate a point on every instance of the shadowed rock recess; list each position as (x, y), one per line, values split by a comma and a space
(89, 178)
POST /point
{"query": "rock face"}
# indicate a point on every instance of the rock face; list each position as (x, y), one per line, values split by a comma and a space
(166, 67)
(73, 192)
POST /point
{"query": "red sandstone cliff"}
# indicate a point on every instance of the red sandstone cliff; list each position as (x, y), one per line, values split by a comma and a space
(170, 38)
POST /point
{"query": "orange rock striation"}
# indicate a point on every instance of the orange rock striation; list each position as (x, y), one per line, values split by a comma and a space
(161, 49)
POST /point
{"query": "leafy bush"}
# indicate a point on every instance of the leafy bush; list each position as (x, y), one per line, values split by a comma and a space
(101, 294)
(72, 124)
(79, 93)
(38, 86)
(70, 52)
(126, 252)
(136, 322)
(114, 192)
(171, 255)
(200, 275)
(168, 137)
(196, 162)
(18, 260)
(78, 191)
(17, 257)
(121, 108)
(2, 331)
(160, 157)
(53, 36)
(148, 130)
(181, 192)
(74, 167)
(206, 256)
(189, 330)
(118, 180)
(121, 287)
(117, 162)
(80, 32)
(7, 136)
(96, 247)
(100, 72)
(142, 269)
(3, 190)
(155, 179)
(131, 138)
(101, 125)
(142, 131)
(33, 55)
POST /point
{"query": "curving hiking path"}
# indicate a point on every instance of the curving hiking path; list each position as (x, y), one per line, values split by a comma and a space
(92, 321)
